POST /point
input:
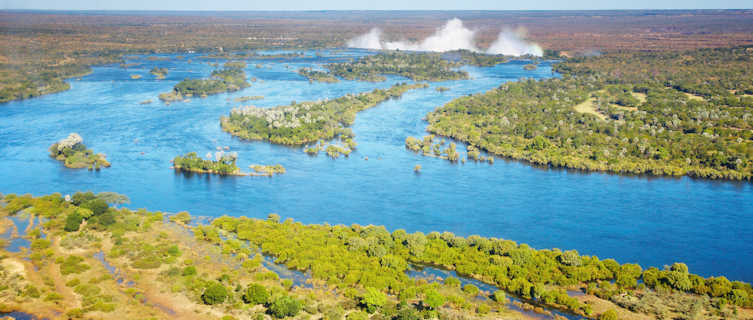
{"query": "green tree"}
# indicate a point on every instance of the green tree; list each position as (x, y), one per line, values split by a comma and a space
(215, 293)
(285, 306)
(373, 299)
(72, 222)
(434, 299)
(256, 294)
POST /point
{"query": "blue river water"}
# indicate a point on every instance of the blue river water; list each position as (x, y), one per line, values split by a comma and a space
(650, 221)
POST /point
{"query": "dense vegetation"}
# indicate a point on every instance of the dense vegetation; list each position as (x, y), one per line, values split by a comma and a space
(686, 113)
(371, 257)
(228, 79)
(419, 66)
(223, 164)
(221, 274)
(416, 66)
(28, 82)
(466, 57)
(74, 154)
(318, 76)
(306, 122)
(431, 147)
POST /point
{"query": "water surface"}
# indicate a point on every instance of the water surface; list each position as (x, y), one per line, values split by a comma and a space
(650, 221)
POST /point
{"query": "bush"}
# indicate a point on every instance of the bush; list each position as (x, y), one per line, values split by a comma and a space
(608, 315)
(470, 289)
(215, 293)
(72, 222)
(256, 294)
(434, 299)
(373, 299)
(189, 271)
(357, 315)
(285, 306)
(97, 206)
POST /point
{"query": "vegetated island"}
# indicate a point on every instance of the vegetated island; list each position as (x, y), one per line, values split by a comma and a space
(228, 79)
(306, 122)
(418, 66)
(430, 147)
(248, 98)
(267, 170)
(222, 164)
(159, 73)
(74, 154)
(254, 55)
(88, 258)
(318, 76)
(689, 114)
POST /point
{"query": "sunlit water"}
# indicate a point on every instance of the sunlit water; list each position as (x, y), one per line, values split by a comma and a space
(651, 221)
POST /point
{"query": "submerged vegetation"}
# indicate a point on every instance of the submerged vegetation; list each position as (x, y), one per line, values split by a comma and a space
(159, 73)
(690, 115)
(306, 122)
(228, 79)
(91, 247)
(74, 154)
(222, 164)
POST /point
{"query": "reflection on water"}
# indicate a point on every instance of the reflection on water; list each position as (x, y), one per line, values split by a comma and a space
(632, 219)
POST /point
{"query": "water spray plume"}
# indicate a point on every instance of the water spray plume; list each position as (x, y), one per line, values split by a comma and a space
(452, 36)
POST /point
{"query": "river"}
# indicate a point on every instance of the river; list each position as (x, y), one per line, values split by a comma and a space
(650, 221)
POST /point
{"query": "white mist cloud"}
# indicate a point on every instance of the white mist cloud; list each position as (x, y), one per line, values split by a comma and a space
(371, 40)
(452, 36)
(513, 43)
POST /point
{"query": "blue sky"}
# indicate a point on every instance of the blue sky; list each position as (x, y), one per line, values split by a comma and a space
(370, 5)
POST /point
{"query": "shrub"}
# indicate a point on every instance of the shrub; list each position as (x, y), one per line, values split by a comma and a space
(433, 299)
(357, 315)
(72, 222)
(470, 289)
(215, 293)
(189, 271)
(285, 306)
(608, 315)
(256, 294)
(373, 299)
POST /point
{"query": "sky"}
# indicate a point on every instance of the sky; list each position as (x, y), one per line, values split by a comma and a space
(371, 5)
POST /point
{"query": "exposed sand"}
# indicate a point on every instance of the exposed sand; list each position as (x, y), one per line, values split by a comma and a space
(589, 107)
(13, 266)
(693, 97)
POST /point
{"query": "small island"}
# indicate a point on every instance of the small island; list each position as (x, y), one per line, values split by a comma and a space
(267, 170)
(318, 76)
(429, 146)
(530, 67)
(306, 122)
(228, 79)
(224, 163)
(248, 98)
(74, 154)
(159, 73)
(415, 66)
